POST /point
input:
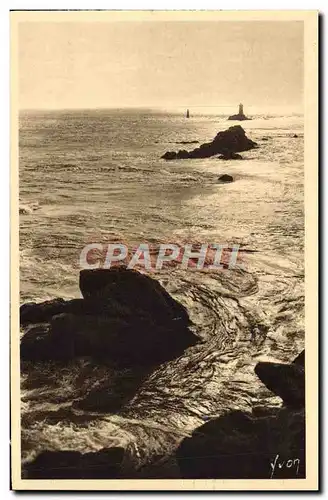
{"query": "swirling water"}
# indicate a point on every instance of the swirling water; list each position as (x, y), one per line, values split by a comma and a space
(97, 176)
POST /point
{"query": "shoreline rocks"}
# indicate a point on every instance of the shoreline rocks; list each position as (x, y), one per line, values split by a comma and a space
(261, 445)
(228, 141)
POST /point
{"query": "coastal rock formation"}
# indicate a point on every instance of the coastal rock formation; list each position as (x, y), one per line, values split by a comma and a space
(261, 445)
(225, 178)
(226, 142)
(125, 318)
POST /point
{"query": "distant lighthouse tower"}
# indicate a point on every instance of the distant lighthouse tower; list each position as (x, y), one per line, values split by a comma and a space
(240, 116)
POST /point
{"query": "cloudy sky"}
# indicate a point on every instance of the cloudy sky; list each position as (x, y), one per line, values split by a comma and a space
(161, 64)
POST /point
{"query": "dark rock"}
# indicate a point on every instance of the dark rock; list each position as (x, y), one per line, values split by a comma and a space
(36, 344)
(123, 343)
(238, 117)
(117, 292)
(230, 155)
(103, 464)
(265, 138)
(32, 312)
(240, 446)
(134, 291)
(295, 136)
(25, 210)
(126, 318)
(169, 155)
(287, 381)
(234, 139)
(225, 178)
(182, 154)
(188, 142)
(300, 359)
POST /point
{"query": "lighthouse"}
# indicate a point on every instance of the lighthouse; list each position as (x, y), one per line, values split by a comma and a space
(240, 116)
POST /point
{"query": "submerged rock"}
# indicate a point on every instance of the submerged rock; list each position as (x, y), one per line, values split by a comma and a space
(103, 464)
(25, 210)
(233, 140)
(225, 178)
(188, 142)
(112, 395)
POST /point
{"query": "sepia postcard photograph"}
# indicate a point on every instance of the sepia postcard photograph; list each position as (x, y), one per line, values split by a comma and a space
(164, 218)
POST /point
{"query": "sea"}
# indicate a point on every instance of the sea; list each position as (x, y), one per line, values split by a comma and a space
(97, 176)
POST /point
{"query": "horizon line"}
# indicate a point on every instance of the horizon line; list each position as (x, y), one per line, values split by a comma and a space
(295, 109)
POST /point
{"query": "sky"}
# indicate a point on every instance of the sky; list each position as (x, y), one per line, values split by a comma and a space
(199, 64)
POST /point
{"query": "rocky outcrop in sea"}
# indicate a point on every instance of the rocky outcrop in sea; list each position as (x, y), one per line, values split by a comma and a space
(226, 142)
